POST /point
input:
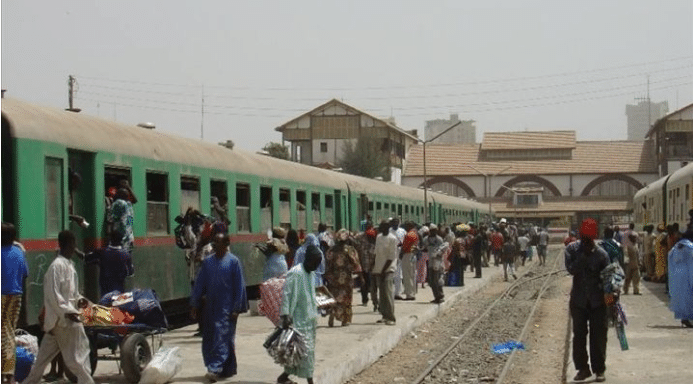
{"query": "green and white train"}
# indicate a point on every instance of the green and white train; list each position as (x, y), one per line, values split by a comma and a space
(42, 147)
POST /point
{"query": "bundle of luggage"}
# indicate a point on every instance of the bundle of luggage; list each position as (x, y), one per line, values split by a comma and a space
(142, 304)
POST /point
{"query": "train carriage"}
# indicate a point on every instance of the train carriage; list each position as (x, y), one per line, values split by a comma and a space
(57, 163)
(665, 201)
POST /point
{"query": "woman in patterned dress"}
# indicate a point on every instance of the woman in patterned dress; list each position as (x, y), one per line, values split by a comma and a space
(342, 263)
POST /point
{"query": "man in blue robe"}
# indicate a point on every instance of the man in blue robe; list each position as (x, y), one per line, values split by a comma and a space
(221, 281)
(681, 279)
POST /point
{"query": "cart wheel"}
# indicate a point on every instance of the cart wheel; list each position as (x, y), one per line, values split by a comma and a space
(135, 354)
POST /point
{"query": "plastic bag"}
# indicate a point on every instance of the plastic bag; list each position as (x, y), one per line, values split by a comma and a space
(286, 346)
(26, 340)
(25, 360)
(165, 364)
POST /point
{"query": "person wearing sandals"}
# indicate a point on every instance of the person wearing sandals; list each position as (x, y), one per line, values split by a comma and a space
(300, 308)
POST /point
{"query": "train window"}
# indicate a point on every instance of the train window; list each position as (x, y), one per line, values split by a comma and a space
(399, 210)
(370, 205)
(243, 207)
(189, 193)
(406, 209)
(113, 176)
(329, 211)
(219, 200)
(315, 204)
(301, 209)
(157, 204)
(265, 208)
(285, 208)
(54, 196)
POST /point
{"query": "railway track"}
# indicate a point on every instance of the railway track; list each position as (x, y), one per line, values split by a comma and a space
(469, 357)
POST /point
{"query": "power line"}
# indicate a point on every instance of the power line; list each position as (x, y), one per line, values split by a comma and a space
(371, 88)
(497, 108)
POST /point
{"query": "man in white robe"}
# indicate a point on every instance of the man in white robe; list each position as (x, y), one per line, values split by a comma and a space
(63, 327)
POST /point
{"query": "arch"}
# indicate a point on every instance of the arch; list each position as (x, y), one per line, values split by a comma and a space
(452, 180)
(528, 178)
(618, 176)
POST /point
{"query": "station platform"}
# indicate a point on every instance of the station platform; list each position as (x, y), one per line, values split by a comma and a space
(341, 352)
(660, 349)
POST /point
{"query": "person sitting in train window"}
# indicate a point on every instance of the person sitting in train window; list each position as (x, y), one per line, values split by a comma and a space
(122, 217)
(115, 264)
(274, 250)
(220, 209)
(131, 195)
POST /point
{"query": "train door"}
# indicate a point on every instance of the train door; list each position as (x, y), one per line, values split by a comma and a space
(9, 196)
(81, 200)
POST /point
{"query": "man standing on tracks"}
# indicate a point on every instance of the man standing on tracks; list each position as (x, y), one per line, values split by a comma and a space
(543, 245)
(220, 280)
(62, 324)
(588, 302)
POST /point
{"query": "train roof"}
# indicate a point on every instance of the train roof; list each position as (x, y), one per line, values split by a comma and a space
(94, 134)
(680, 174)
(29, 121)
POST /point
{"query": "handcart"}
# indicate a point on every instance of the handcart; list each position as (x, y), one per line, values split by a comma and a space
(128, 346)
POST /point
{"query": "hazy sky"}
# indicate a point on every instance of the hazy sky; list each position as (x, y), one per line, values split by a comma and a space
(510, 65)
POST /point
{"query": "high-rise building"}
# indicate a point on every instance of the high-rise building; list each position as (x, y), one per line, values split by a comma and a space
(640, 119)
(464, 133)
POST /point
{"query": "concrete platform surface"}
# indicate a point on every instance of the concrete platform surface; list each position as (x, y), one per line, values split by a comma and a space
(341, 352)
(660, 350)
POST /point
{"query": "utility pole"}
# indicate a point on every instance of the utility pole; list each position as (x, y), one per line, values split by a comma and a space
(71, 81)
(649, 105)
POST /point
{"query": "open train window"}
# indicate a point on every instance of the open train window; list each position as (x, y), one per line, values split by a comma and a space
(219, 208)
(243, 207)
(189, 193)
(157, 204)
(284, 208)
(54, 196)
(113, 177)
(329, 211)
(265, 208)
(301, 210)
(315, 203)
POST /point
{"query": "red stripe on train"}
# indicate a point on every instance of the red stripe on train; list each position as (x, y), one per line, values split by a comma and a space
(93, 243)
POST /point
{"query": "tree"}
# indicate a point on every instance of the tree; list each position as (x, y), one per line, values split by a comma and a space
(367, 158)
(277, 150)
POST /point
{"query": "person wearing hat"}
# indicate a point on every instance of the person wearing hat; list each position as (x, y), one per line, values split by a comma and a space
(588, 302)
(275, 250)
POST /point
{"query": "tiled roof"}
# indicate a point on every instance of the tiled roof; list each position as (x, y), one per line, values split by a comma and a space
(589, 157)
(528, 140)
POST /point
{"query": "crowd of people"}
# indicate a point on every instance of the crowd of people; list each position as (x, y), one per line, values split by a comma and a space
(388, 263)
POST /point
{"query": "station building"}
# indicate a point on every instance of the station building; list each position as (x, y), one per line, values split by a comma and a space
(318, 137)
(547, 178)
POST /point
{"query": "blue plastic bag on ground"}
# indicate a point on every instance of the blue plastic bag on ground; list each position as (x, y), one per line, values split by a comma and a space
(25, 360)
(507, 347)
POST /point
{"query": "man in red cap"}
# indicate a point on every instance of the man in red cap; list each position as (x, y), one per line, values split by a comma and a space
(585, 261)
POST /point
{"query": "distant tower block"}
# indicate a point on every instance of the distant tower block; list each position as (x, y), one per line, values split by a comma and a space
(464, 133)
(638, 116)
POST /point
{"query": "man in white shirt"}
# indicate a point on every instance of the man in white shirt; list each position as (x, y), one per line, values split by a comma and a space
(62, 324)
(383, 271)
(399, 234)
